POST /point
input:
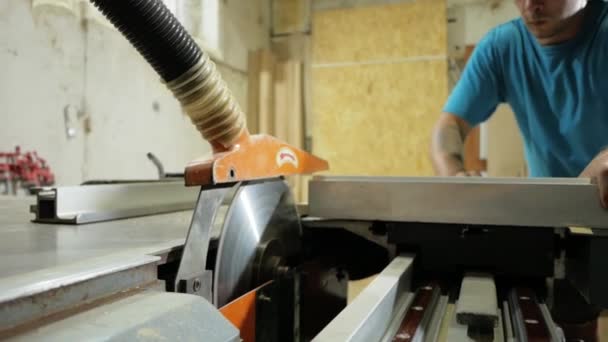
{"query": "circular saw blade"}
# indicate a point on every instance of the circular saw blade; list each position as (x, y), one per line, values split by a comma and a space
(259, 212)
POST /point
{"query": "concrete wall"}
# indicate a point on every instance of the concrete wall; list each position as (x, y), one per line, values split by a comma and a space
(41, 72)
(53, 60)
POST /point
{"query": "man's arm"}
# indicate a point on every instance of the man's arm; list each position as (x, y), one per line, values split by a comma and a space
(447, 145)
(472, 101)
(597, 170)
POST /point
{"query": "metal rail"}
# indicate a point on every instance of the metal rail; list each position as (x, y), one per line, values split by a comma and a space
(104, 202)
(31, 297)
(415, 326)
(484, 201)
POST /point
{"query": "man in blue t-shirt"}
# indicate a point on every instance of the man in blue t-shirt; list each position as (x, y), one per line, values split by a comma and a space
(551, 67)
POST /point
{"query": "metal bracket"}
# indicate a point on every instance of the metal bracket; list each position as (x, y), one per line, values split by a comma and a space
(199, 284)
(192, 275)
(70, 118)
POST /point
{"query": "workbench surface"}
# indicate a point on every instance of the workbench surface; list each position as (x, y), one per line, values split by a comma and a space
(37, 251)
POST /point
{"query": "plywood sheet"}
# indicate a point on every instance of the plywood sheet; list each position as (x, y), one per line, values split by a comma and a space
(396, 31)
(377, 119)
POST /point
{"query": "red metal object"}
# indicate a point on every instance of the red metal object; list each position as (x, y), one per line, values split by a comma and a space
(241, 313)
(26, 170)
(413, 318)
(534, 322)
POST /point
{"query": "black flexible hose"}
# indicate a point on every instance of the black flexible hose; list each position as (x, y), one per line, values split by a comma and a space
(186, 70)
(155, 33)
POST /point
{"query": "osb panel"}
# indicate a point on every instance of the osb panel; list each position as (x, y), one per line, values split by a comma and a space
(393, 31)
(290, 16)
(377, 119)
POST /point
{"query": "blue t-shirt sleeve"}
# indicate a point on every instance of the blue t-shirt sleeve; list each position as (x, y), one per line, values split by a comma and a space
(477, 93)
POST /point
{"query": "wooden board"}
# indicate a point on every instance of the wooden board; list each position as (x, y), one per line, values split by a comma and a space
(253, 91)
(275, 104)
(298, 47)
(289, 119)
(260, 106)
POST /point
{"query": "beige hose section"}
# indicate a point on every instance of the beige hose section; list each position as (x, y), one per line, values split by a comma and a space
(209, 103)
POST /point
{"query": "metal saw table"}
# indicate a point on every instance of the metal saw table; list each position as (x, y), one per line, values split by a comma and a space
(27, 247)
(94, 269)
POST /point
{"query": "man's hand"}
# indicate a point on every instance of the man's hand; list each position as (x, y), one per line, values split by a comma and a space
(448, 144)
(597, 170)
(468, 174)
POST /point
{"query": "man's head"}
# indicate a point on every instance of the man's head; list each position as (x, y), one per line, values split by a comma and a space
(552, 21)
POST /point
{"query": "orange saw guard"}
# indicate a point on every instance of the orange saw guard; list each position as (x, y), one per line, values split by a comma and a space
(252, 157)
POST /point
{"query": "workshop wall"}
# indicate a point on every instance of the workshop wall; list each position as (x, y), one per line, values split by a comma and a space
(468, 23)
(290, 16)
(115, 102)
(379, 79)
(41, 72)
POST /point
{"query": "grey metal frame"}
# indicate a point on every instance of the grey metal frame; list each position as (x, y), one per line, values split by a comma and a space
(369, 316)
(460, 333)
(434, 327)
(26, 299)
(555, 202)
(207, 216)
(142, 316)
(555, 332)
(104, 202)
